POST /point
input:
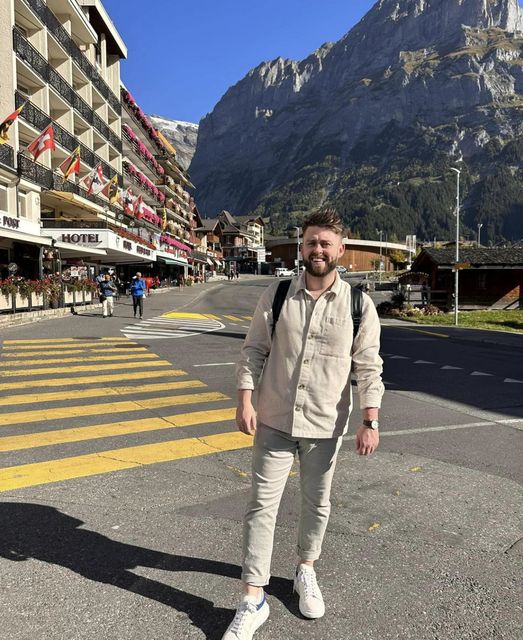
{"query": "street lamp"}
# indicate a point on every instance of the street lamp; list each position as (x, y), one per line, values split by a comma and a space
(381, 252)
(456, 270)
(479, 234)
(297, 250)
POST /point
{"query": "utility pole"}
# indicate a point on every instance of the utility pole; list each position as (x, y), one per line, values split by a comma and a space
(381, 250)
(456, 270)
(479, 234)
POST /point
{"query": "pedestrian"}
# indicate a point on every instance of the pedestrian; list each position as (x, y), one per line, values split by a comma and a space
(107, 292)
(303, 405)
(181, 282)
(138, 288)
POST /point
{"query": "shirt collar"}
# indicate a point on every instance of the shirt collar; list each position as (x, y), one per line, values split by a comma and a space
(301, 284)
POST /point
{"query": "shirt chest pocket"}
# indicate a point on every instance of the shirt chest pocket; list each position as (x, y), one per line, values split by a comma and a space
(335, 341)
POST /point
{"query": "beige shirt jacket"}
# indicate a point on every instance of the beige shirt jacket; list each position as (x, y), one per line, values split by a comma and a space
(303, 374)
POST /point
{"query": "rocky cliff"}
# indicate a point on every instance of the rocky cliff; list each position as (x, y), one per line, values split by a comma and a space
(372, 122)
(183, 136)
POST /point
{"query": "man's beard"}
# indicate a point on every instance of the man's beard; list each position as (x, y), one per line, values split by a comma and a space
(321, 269)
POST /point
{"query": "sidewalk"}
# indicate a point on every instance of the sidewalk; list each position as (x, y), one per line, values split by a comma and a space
(182, 298)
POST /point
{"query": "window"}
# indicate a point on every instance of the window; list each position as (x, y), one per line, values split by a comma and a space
(3, 198)
(22, 205)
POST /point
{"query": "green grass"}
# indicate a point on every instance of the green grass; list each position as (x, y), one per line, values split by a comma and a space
(495, 320)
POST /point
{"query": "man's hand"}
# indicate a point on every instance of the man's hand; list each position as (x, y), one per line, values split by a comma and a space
(367, 440)
(245, 413)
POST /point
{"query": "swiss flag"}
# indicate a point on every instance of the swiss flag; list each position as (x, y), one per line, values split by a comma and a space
(127, 201)
(44, 141)
(138, 207)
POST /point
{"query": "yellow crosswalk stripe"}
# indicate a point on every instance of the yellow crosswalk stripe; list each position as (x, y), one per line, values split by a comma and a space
(119, 357)
(48, 341)
(29, 354)
(247, 317)
(78, 411)
(47, 472)
(81, 380)
(211, 316)
(65, 346)
(184, 314)
(112, 429)
(78, 369)
(235, 318)
(93, 392)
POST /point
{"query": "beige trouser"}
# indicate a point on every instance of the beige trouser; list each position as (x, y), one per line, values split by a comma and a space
(273, 455)
(108, 306)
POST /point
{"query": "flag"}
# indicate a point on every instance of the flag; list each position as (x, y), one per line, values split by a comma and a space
(43, 142)
(94, 181)
(4, 127)
(138, 207)
(127, 201)
(110, 190)
(71, 164)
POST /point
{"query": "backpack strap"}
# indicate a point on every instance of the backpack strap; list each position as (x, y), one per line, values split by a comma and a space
(356, 308)
(283, 289)
(277, 303)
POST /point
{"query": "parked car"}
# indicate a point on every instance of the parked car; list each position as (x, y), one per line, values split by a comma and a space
(282, 272)
(296, 272)
(341, 269)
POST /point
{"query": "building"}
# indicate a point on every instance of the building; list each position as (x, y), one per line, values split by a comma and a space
(60, 62)
(360, 255)
(242, 242)
(488, 278)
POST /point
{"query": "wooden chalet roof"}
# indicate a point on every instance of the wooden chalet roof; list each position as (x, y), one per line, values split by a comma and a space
(476, 257)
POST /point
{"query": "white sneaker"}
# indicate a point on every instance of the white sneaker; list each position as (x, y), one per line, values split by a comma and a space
(306, 586)
(250, 615)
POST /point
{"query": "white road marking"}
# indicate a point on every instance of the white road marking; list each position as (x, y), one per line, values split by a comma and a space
(448, 427)
(513, 380)
(480, 373)
(424, 362)
(163, 327)
(214, 364)
(449, 367)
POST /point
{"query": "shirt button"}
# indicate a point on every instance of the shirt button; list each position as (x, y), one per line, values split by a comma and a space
(301, 386)
(298, 408)
(306, 361)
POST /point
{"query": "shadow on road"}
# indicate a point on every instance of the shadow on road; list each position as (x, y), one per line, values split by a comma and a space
(44, 533)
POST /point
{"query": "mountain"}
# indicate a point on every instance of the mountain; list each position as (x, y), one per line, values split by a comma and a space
(372, 123)
(183, 136)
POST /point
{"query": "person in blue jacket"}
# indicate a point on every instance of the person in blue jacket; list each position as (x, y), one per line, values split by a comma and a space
(138, 289)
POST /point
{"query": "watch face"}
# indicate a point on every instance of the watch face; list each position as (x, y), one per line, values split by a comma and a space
(372, 424)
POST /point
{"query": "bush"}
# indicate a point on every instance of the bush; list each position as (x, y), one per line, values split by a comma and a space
(430, 310)
(384, 308)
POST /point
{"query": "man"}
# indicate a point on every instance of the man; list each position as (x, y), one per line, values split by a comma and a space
(138, 288)
(107, 291)
(303, 407)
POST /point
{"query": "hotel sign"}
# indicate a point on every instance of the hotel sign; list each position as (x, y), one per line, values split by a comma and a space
(102, 239)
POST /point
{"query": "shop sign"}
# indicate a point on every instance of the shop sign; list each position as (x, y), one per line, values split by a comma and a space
(19, 224)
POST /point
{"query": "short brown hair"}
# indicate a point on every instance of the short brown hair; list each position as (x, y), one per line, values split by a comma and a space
(326, 218)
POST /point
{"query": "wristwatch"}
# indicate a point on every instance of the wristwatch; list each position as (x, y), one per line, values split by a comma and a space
(371, 424)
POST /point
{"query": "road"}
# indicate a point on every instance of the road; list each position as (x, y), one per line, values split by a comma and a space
(123, 482)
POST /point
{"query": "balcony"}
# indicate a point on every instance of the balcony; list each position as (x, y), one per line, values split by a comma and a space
(26, 52)
(141, 151)
(50, 181)
(143, 182)
(7, 155)
(39, 120)
(64, 39)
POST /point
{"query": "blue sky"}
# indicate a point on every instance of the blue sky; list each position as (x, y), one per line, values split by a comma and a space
(183, 56)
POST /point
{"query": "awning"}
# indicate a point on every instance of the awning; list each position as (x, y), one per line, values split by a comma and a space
(172, 261)
(76, 200)
(210, 262)
(30, 238)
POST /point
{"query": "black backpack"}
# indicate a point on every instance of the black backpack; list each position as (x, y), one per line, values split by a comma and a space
(283, 289)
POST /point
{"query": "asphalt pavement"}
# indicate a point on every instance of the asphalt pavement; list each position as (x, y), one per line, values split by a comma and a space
(425, 536)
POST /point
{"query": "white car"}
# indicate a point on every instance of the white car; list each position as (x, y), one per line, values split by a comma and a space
(341, 269)
(283, 272)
